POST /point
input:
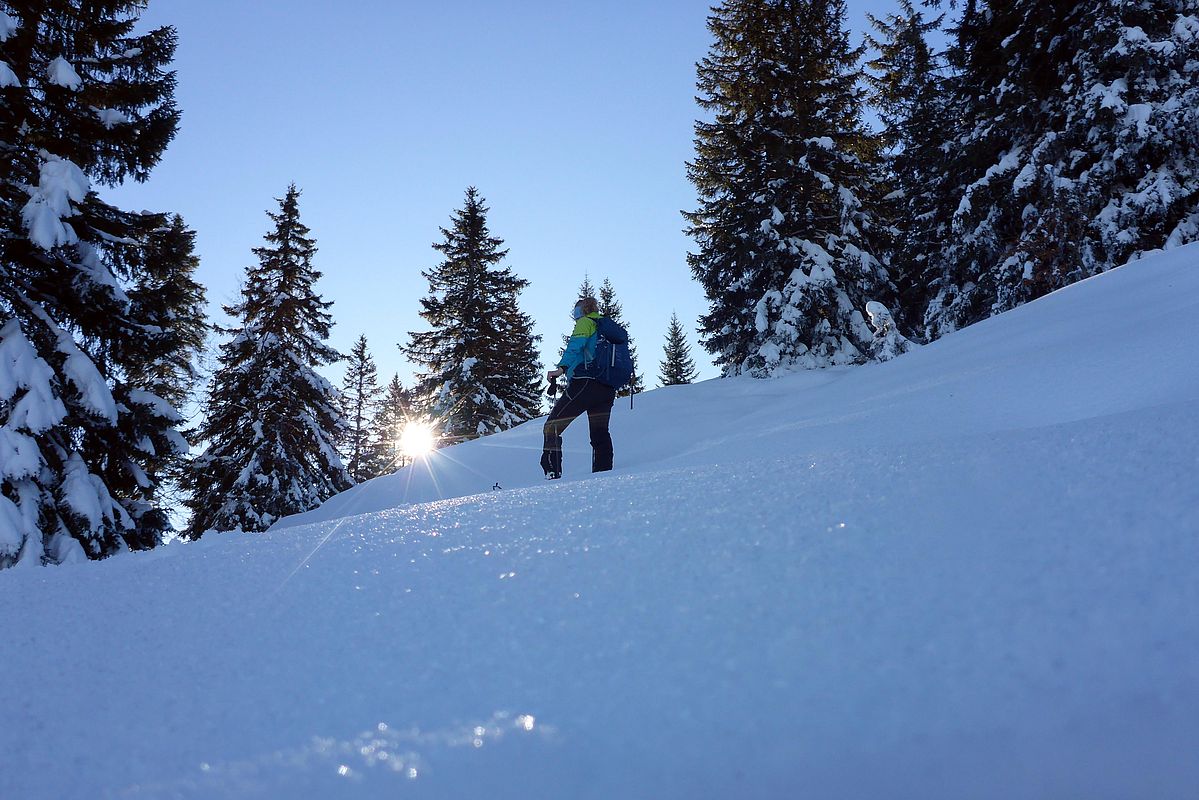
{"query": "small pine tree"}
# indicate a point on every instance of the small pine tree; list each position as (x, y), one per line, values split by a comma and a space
(677, 365)
(271, 422)
(480, 371)
(84, 103)
(387, 427)
(359, 392)
(610, 307)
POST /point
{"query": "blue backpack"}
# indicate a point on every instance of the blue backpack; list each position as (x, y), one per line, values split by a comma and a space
(613, 365)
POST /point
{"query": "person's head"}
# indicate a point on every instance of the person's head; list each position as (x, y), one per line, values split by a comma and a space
(584, 306)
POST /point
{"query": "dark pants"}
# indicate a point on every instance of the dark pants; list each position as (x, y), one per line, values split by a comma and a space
(580, 396)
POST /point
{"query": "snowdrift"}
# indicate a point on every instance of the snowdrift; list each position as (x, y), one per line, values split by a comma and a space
(971, 572)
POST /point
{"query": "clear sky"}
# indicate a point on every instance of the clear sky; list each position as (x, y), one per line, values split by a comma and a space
(574, 121)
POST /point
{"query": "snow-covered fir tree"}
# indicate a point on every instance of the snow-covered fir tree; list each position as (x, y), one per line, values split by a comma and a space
(85, 428)
(478, 367)
(611, 308)
(169, 297)
(908, 93)
(784, 231)
(677, 365)
(360, 391)
(271, 421)
(387, 426)
(1081, 148)
(173, 306)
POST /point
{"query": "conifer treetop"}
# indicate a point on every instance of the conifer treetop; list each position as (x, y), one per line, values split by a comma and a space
(677, 366)
(478, 365)
(272, 423)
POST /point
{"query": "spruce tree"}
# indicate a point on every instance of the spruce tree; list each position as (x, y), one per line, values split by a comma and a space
(271, 421)
(785, 236)
(610, 307)
(911, 100)
(995, 113)
(677, 365)
(162, 363)
(172, 301)
(479, 370)
(359, 392)
(1080, 148)
(85, 102)
(1138, 124)
(387, 426)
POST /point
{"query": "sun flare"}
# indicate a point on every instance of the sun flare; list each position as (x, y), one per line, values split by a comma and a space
(417, 439)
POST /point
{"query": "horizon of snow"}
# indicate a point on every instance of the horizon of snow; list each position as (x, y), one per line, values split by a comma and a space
(970, 571)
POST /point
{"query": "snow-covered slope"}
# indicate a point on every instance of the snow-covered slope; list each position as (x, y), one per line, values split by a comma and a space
(1124, 342)
(972, 572)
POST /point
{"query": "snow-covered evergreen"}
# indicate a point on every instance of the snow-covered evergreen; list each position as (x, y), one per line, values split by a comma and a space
(86, 418)
(1081, 148)
(785, 228)
(173, 302)
(359, 394)
(908, 94)
(271, 421)
(479, 369)
(160, 364)
(677, 365)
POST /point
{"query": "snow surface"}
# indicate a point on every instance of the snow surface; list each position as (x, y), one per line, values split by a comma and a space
(969, 572)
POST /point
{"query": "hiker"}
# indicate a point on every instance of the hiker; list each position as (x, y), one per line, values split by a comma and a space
(583, 393)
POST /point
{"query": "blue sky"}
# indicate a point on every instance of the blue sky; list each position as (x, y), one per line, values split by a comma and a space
(573, 120)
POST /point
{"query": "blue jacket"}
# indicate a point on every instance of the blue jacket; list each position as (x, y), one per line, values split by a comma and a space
(580, 349)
